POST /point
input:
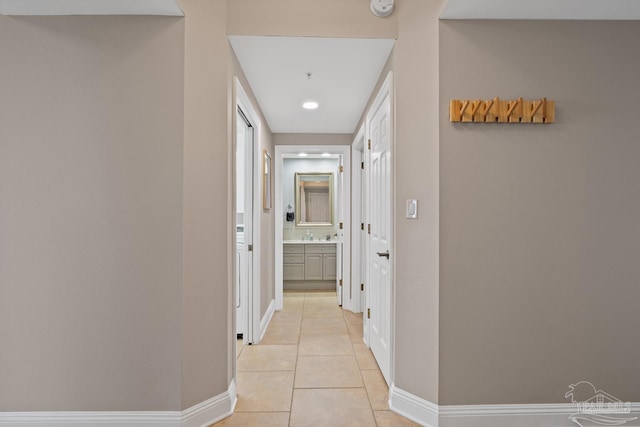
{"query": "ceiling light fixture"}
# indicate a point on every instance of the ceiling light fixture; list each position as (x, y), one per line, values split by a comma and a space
(310, 105)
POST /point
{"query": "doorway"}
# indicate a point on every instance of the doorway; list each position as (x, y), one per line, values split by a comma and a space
(358, 229)
(380, 199)
(246, 228)
(343, 212)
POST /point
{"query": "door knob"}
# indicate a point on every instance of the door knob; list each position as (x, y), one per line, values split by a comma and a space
(383, 254)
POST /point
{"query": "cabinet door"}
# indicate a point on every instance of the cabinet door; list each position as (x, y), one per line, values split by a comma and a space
(313, 267)
(329, 267)
(293, 272)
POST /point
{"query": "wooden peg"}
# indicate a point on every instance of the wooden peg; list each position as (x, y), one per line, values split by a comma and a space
(550, 115)
(492, 111)
(465, 111)
(476, 114)
(503, 109)
(535, 107)
(512, 107)
(538, 111)
(488, 105)
(454, 110)
(527, 108)
(515, 111)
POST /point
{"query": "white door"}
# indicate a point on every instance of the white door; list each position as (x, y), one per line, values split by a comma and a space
(244, 223)
(380, 237)
(340, 242)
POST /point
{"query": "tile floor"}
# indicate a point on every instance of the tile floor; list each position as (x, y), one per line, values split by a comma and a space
(311, 369)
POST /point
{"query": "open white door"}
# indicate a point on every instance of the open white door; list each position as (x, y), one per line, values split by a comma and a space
(247, 208)
(340, 243)
(244, 222)
(243, 129)
(380, 197)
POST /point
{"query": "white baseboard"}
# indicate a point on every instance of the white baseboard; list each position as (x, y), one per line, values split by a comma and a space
(429, 414)
(201, 415)
(412, 407)
(532, 415)
(212, 410)
(91, 419)
(264, 322)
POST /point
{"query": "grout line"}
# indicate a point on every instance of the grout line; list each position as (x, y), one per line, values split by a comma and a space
(295, 372)
(373, 414)
(298, 356)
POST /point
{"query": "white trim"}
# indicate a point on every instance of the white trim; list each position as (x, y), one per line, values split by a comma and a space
(429, 414)
(211, 410)
(266, 319)
(92, 418)
(552, 414)
(242, 100)
(489, 410)
(202, 414)
(280, 152)
(385, 89)
(357, 211)
(412, 407)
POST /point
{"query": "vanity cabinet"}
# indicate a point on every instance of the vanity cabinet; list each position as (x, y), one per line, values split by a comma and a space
(329, 267)
(310, 261)
(313, 267)
(293, 262)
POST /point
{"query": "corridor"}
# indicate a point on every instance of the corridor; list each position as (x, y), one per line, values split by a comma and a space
(311, 369)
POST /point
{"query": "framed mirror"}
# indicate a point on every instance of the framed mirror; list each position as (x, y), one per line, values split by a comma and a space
(314, 199)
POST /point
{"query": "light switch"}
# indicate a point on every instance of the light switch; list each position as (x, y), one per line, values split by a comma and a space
(412, 209)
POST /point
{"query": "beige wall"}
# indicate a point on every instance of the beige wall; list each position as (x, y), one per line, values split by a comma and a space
(266, 220)
(388, 67)
(311, 18)
(90, 213)
(207, 332)
(417, 177)
(312, 138)
(540, 234)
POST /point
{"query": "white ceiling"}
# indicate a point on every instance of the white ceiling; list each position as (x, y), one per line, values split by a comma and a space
(543, 9)
(344, 74)
(455, 9)
(90, 7)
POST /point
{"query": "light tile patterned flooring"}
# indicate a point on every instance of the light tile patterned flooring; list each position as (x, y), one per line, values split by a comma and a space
(311, 369)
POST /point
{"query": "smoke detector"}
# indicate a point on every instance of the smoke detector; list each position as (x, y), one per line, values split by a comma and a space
(382, 8)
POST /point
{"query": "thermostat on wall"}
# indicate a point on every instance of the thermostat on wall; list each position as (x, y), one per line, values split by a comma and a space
(382, 8)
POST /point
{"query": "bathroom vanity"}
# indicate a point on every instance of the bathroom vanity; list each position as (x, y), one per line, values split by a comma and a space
(309, 264)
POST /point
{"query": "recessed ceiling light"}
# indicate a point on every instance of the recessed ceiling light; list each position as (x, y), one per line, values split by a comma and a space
(310, 105)
(302, 155)
(325, 154)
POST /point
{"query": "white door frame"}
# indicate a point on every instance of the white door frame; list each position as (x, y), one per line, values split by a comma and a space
(242, 101)
(358, 252)
(282, 151)
(385, 90)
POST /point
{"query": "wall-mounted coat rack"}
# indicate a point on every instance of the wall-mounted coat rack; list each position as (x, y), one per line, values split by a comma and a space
(502, 111)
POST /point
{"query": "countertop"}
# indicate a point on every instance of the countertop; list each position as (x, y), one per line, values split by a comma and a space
(307, 242)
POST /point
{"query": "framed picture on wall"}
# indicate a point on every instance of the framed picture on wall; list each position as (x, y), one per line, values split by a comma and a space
(266, 181)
